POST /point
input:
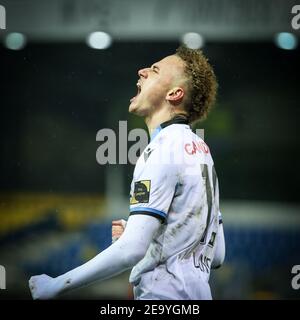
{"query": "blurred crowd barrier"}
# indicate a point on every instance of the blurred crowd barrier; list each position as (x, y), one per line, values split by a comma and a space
(47, 233)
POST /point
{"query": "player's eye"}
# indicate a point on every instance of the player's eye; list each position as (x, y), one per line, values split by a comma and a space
(155, 69)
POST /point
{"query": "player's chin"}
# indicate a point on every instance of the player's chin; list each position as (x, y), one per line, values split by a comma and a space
(133, 107)
(137, 108)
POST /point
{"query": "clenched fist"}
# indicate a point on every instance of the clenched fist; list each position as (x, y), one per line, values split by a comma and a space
(43, 287)
(118, 227)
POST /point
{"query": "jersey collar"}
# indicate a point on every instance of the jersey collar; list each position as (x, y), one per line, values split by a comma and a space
(178, 119)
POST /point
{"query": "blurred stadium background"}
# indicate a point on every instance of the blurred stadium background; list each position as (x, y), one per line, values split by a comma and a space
(57, 91)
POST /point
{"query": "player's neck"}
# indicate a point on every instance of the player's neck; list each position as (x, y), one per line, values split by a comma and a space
(154, 120)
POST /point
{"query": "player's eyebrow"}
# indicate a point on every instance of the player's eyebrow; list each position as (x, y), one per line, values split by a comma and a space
(154, 66)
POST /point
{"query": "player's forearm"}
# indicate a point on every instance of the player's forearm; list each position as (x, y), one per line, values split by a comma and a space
(120, 256)
(108, 263)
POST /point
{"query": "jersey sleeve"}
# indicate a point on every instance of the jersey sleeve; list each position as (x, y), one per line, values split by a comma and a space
(153, 187)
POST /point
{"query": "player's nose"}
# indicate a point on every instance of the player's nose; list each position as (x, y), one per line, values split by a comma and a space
(143, 73)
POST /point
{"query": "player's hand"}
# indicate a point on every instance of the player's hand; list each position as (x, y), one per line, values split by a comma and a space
(118, 227)
(43, 287)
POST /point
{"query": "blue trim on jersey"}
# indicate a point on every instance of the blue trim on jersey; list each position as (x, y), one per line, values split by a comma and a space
(161, 213)
(155, 132)
(178, 119)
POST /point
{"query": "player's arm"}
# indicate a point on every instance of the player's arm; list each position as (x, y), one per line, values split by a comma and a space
(120, 256)
(220, 249)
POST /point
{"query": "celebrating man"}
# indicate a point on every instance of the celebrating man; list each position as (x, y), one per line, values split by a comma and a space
(174, 234)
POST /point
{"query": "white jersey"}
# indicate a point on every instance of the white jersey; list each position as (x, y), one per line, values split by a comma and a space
(175, 181)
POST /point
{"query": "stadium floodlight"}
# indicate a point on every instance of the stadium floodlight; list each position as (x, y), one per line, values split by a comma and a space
(193, 40)
(15, 41)
(99, 40)
(286, 41)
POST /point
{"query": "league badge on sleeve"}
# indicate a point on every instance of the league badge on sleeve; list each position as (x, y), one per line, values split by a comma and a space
(141, 192)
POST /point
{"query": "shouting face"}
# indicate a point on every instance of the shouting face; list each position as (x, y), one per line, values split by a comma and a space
(155, 85)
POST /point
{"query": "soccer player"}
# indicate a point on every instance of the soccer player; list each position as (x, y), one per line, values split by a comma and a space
(174, 234)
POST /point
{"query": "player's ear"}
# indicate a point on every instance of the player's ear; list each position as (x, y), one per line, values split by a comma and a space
(175, 95)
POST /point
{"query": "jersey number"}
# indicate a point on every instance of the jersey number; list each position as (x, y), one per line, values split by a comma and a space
(209, 196)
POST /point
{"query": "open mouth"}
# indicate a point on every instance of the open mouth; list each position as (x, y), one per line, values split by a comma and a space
(139, 89)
